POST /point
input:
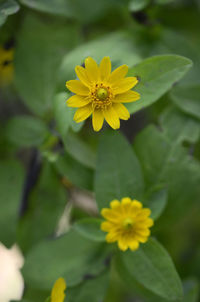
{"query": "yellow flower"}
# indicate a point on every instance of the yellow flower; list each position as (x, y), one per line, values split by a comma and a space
(57, 293)
(127, 222)
(101, 93)
(6, 66)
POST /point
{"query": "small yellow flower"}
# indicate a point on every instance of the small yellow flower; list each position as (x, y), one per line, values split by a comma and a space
(57, 293)
(101, 93)
(126, 222)
(6, 66)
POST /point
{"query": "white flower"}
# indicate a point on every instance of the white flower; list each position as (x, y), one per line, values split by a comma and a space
(11, 280)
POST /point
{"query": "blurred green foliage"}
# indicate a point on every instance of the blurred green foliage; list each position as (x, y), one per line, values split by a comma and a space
(56, 175)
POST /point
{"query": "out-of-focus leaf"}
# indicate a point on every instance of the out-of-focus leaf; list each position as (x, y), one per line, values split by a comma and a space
(47, 203)
(137, 5)
(80, 150)
(163, 1)
(75, 172)
(7, 7)
(70, 256)
(11, 185)
(187, 99)
(26, 131)
(40, 47)
(90, 228)
(156, 76)
(156, 201)
(152, 266)
(118, 172)
(118, 46)
(191, 290)
(64, 115)
(93, 289)
(178, 126)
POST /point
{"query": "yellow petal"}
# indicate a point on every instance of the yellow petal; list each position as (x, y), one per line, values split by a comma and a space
(115, 204)
(121, 110)
(105, 68)
(112, 237)
(92, 69)
(134, 245)
(124, 85)
(122, 244)
(82, 113)
(82, 75)
(106, 226)
(78, 101)
(97, 120)
(110, 215)
(118, 74)
(57, 293)
(127, 97)
(77, 87)
(111, 117)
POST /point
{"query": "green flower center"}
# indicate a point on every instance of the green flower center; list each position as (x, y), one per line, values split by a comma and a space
(128, 223)
(102, 93)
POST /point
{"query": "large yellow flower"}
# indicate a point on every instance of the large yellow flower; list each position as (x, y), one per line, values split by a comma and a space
(127, 222)
(57, 293)
(101, 93)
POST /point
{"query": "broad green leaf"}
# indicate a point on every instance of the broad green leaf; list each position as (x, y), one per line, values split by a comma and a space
(92, 289)
(75, 172)
(187, 99)
(152, 266)
(26, 131)
(165, 162)
(178, 126)
(163, 1)
(64, 115)
(46, 205)
(11, 186)
(156, 201)
(137, 5)
(90, 228)
(118, 172)
(156, 76)
(80, 150)
(118, 46)
(40, 48)
(70, 256)
(191, 290)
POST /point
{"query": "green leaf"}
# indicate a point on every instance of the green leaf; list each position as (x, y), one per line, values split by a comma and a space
(118, 46)
(163, 2)
(178, 126)
(75, 172)
(46, 205)
(70, 256)
(26, 131)
(118, 172)
(64, 115)
(93, 290)
(80, 150)
(40, 48)
(152, 266)
(156, 76)
(187, 99)
(7, 7)
(191, 290)
(137, 5)
(90, 228)
(61, 7)
(156, 201)
(11, 186)
(165, 162)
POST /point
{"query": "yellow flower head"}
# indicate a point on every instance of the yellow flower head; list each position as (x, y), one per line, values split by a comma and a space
(126, 222)
(101, 93)
(6, 66)
(57, 293)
